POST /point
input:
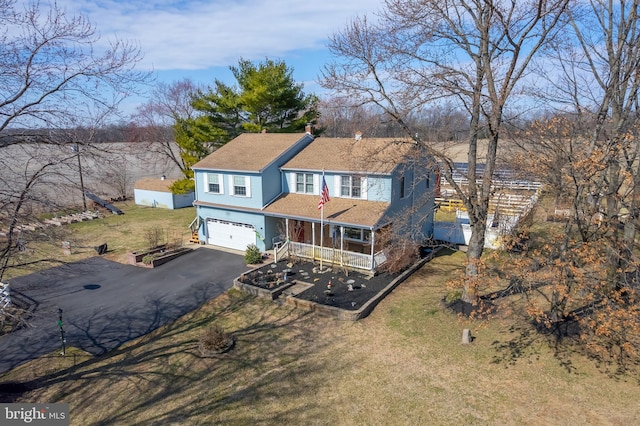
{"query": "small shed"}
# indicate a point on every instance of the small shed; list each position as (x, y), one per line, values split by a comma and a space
(155, 192)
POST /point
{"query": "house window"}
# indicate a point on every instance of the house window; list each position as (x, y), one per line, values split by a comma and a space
(428, 181)
(357, 234)
(214, 183)
(351, 186)
(402, 187)
(240, 186)
(304, 183)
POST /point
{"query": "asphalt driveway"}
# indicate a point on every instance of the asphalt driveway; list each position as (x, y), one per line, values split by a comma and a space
(105, 304)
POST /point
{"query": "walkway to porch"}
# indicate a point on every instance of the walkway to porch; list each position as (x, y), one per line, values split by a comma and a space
(349, 259)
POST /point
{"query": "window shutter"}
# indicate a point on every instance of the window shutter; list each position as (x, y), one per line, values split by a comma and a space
(292, 182)
(365, 186)
(316, 183)
(337, 192)
(247, 184)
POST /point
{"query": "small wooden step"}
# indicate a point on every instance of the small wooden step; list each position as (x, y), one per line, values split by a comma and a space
(194, 237)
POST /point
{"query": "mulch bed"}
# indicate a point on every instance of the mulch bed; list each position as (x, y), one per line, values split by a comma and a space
(349, 290)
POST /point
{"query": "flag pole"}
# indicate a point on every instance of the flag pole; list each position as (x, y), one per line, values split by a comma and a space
(321, 220)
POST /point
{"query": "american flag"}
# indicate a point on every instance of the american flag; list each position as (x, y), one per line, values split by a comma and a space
(324, 195)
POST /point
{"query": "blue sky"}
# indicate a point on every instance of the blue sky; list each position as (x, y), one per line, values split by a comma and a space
(200, 39)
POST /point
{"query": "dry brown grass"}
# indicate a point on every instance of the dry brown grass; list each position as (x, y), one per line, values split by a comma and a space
(122, 234)
(404, 364)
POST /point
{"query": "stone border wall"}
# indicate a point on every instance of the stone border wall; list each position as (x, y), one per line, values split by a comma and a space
(341, 314)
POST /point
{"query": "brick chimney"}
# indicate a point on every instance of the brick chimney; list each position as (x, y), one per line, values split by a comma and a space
(308, 129)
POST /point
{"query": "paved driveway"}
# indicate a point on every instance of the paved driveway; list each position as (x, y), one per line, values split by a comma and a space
(106, 304)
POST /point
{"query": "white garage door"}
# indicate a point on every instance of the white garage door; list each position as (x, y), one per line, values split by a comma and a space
(230, 234)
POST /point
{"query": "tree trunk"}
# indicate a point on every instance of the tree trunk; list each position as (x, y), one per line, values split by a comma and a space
(474, 252)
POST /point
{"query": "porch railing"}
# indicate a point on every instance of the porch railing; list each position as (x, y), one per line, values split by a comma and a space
(280, 250)
(335, 256)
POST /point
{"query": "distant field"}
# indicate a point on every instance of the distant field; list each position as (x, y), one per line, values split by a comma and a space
(104, 167)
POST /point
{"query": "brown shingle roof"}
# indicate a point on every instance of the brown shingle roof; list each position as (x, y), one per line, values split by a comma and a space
(373, 155)
(154, 184)
(339, 210)
(249, 152)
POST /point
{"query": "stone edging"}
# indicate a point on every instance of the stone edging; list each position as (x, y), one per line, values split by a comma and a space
(341, 314)
(265, 293)
(366, 309)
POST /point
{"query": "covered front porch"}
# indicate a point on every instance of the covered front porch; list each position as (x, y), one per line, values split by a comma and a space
(346, 233)
(346, 246)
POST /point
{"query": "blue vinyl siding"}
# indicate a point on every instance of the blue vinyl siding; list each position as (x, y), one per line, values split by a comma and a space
(256, 220)
(254, 200)
(164, 200)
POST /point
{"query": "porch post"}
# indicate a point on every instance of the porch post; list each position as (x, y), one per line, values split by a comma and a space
(313, 239)
(286, 229)
(341, 245)
(373, 250)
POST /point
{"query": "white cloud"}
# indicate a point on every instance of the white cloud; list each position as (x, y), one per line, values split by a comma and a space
(194, 34)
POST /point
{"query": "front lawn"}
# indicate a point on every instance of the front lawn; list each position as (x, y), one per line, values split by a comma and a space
(403, 364)
(121, 233)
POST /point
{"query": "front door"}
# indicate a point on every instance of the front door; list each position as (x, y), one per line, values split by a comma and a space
(297, 231)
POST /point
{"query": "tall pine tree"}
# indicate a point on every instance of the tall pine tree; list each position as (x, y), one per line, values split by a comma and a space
(265, 97)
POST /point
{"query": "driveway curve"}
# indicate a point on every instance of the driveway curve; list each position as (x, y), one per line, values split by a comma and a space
(105, 304)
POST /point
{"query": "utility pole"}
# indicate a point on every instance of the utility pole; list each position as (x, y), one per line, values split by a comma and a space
(76, 148)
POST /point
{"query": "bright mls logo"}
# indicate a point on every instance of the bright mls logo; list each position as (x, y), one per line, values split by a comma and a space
(36, 414)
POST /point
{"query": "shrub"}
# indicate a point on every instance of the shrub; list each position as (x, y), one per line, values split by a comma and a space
(453, 296)
(215, 341)
(252, 255)
(400, 255)
(183, 186)
(155, 236)
(147, 259)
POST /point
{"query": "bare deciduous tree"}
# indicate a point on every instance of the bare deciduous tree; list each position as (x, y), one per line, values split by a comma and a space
(422, 52)
(54, 75)
(594, 263)
(153, 123)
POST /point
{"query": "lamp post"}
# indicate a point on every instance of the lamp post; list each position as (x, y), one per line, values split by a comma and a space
(64, 341)
(76, 149)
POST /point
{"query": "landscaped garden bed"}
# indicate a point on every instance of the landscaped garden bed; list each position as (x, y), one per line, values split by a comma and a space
(267, 281)
(136, 256)
(346, 294)
(156, 257)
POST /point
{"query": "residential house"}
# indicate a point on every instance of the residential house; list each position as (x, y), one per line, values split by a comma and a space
(265, 188)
